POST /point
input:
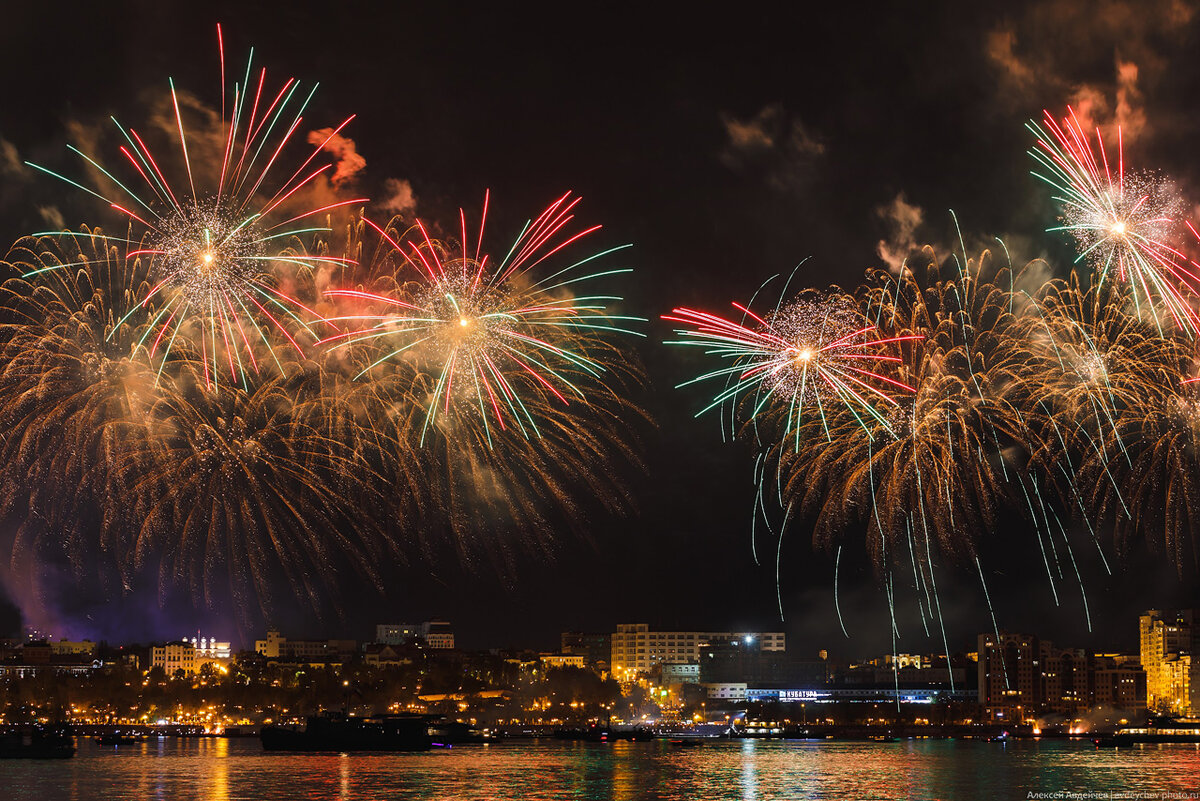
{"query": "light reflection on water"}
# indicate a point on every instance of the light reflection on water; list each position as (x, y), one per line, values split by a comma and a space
(223, 770)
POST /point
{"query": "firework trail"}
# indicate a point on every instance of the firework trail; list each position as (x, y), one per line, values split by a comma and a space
(1116, 402)
(503, 390)
(113, 465)
(1122, 221)
(501, 344)
(72, 381)
(216, 244)
(812, 353)
(232, 490)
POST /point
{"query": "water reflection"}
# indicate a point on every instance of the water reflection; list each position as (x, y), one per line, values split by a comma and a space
(220, 770)
(749, 774)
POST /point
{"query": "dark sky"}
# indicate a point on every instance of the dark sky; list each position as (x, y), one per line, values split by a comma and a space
(726, 147)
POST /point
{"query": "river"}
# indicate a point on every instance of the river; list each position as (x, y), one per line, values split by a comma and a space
(217, 769)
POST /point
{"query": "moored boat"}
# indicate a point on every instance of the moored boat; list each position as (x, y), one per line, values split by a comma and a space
(38, 742)
(1157, 730)
(336, 732)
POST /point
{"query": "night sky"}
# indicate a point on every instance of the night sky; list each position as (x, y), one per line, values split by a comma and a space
(726, 148)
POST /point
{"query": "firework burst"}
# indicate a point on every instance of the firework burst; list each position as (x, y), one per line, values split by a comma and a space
(214, 245)
(498, 342)
(1122, 222)
(814, 352)
(500, 393)
(234, 490)
(72, 381)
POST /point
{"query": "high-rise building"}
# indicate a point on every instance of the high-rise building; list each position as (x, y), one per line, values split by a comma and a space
(1009, 675)
(1064, 678)
(1170, 659)
(636, 649)
(1119, 684)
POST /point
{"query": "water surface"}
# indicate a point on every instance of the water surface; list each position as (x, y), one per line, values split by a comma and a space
(219, 769)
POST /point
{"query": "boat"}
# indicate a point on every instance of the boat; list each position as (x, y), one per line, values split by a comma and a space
(338, 732)
(597, 733)
(117, 738)
(38, 742)
(1157, 730)
(444, 731)
(697, 731)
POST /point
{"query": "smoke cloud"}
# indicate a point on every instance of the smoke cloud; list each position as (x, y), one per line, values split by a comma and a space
(349, 162)
(774, 144)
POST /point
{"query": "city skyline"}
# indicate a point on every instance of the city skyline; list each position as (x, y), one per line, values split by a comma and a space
(770, 148)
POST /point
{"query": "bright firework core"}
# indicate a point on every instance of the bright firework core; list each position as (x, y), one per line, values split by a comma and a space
(210, 256)
(458, 312)
(814, 325)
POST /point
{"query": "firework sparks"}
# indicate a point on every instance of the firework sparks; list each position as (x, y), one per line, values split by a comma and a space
(235, 489)
(71, 386)
(1122, 221)
(812, 352)
(502, 391)
(500, 343)
(215, 248)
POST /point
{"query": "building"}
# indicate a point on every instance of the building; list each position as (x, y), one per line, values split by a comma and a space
(272, 646)
(310, 652)
(439, 634)
(1169, 657)
(864, 695)
(67, 647)
(1021, 677)
(1009, 676)
(1120, 684)
(636, 649)
(381, 654)
(209, 650)
(596, 649)
(397, 633)
(174, 657)
(433, 633)
(1065, 675)
(725, 691)
(674, 673)
(561, 661)
(745, 660)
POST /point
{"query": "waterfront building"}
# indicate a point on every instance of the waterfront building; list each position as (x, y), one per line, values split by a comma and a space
(1169, 656)
(561, 661)
(68, 647)
(209, 650)
(865, 695)
(1118, 682)
(1064, 679)
(434, 633)
(278, 648)
(745, 660)
(725, 691)
(636, 649)
(596, 648)
(676, 673)
(174, 657)
(1009, 675)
